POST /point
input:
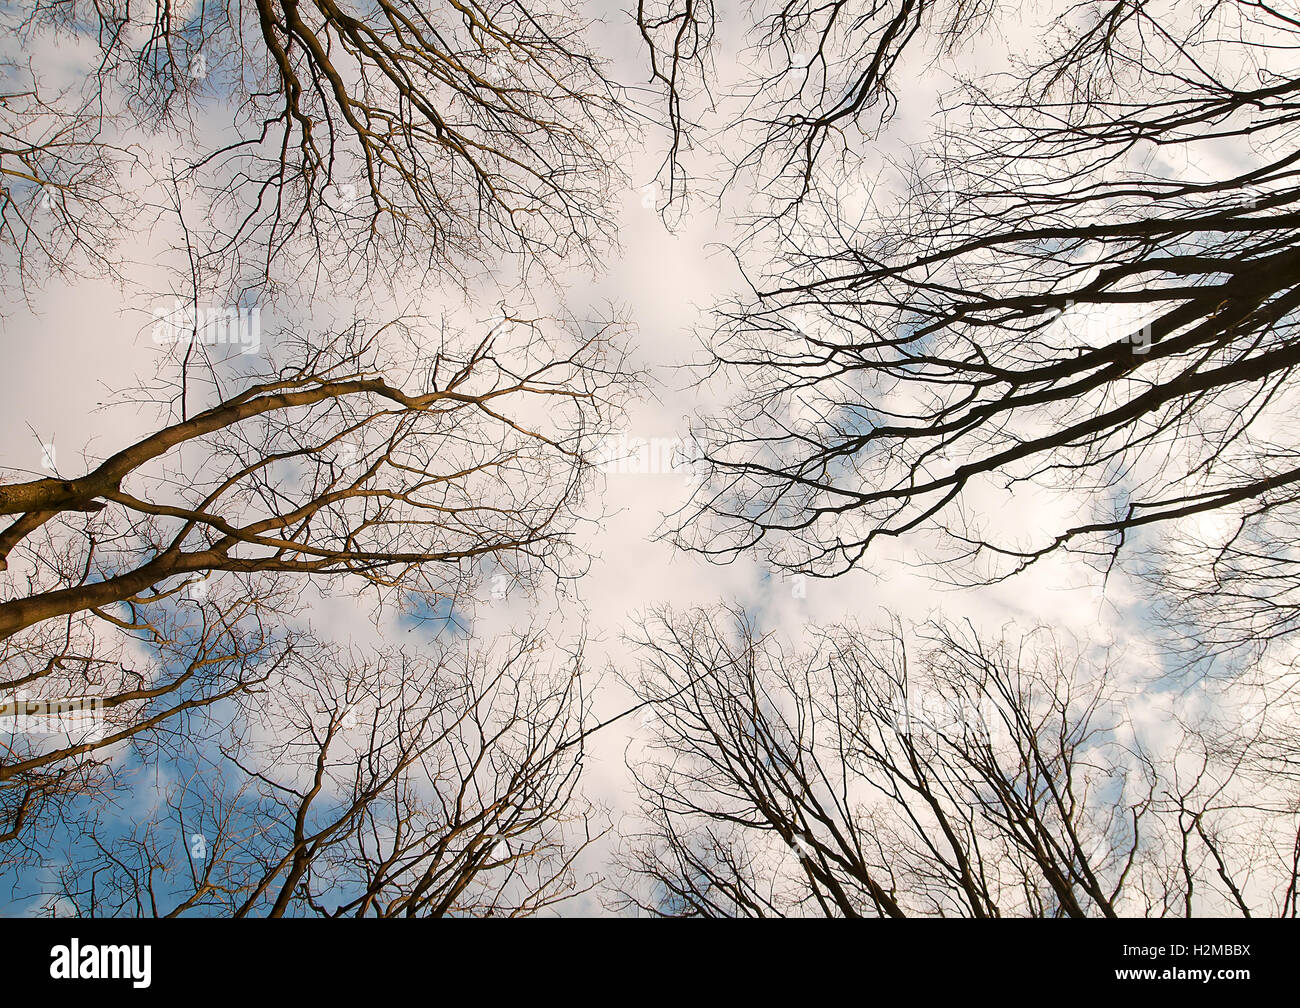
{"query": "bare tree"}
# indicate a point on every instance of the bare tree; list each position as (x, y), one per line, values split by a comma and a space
(61, 194)
(896, 774)
(80, 704)
(440, 134)
(396, 486)
(383, 784)
(819, 86)
(1086, 291)
(168, 576)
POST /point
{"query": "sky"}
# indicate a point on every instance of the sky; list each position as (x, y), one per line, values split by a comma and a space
(72, 350)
